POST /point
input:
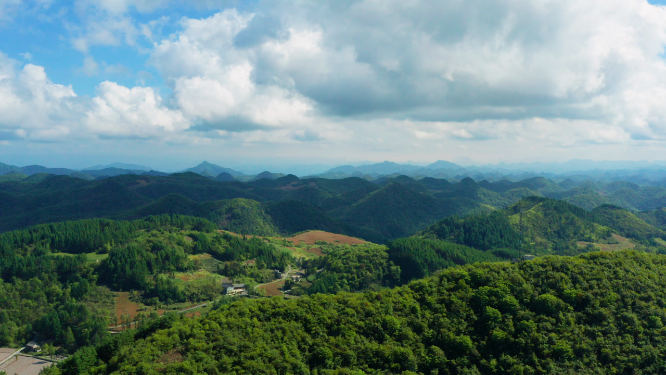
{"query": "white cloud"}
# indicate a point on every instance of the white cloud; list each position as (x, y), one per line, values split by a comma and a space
(31, 104)
(118, 111)
(591, 72)
(90, 67)
(103, 30)
(26, 55)
(213, 81)
(551, 73)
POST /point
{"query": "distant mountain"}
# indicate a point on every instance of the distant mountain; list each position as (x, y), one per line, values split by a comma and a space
(34, 169)
(155, 173)
(134, 167)
(443, 164)
(6, 168)
(212, 170)
(380, 210)
(379, 169)
(111, 171)
(224, 177)
(267, 175)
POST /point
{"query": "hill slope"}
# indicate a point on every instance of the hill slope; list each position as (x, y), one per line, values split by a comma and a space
(396, 211)
(594, 314)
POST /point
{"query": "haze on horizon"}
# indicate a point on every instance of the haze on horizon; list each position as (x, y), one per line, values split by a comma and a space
(238, 83)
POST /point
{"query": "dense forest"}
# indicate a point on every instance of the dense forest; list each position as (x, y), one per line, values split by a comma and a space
(598, 313)
(172, 241)
(540, 225)
(49, 272)
(379, 210)
(52, 274)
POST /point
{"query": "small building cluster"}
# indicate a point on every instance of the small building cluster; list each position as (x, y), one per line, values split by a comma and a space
(235, 289)
(33, 346)
(296, 277)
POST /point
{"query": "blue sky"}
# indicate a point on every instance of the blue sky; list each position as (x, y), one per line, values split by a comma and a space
(270, 82)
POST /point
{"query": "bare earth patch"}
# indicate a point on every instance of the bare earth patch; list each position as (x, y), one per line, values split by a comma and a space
(317, 235)
(273, 289)
(125, 306)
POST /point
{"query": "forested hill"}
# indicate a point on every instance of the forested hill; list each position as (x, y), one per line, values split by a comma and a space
(379, 210)
(598, 313)
(60, 280)
(539, 225)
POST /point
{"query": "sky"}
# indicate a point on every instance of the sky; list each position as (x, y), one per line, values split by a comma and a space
(163, 84)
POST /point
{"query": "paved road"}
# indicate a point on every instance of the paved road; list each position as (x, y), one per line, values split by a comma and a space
(13, 354)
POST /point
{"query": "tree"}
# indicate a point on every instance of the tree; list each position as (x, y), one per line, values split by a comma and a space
(68, 340)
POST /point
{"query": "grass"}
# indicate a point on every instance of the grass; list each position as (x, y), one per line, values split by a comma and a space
(90, 257)
(101, 301)
(206, 261)
(660, 241)
(197, 275)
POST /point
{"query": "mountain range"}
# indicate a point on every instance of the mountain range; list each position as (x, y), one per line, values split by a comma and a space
(640, 172)
(378, 210)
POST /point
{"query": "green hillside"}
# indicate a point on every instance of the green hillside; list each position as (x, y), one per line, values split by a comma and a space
(389, 208)
(243, 216)
(547, 226)
(555, 226)
(656, 217)
(598, 313)
(396, 211)
(626, 223)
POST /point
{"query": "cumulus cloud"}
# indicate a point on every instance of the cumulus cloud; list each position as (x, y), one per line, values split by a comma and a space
(550, 64)
(118, 111)
(215, 82)
(31, 105)
(557, 73)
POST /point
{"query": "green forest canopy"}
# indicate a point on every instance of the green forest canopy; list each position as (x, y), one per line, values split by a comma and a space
(598, 313)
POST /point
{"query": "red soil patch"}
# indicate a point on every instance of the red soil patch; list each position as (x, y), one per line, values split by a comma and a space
(316, 235)
(125, 306)
(193, 314)
(273, 289)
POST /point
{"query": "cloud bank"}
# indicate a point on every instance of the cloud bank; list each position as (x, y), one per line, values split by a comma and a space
(560, 74)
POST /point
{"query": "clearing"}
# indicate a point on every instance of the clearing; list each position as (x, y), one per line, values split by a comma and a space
(90, 257)
(317, 235)
(620, 243)
(125, 306)
(273, 289)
